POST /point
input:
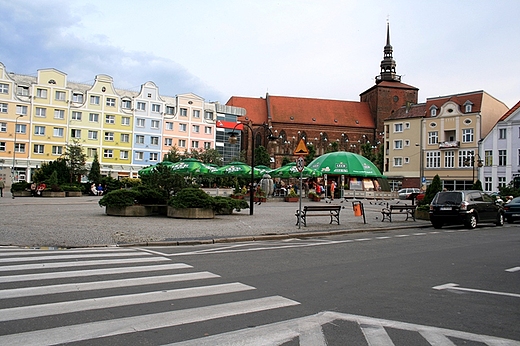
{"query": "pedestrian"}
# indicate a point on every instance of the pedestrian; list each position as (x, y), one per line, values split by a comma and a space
(2, 185)
(33, 189)
(332, 188)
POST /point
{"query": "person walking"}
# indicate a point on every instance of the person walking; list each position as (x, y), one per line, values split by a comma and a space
(332, 188)
(2, 185)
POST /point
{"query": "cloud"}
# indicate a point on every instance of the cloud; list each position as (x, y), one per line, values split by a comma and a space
(39, 35)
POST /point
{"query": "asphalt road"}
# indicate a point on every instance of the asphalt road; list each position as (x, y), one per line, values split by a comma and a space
(381, 288)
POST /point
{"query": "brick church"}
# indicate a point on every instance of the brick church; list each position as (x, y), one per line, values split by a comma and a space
(326, 124)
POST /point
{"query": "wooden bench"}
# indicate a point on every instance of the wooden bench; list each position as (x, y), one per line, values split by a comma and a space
(398, 208)
(333, 212)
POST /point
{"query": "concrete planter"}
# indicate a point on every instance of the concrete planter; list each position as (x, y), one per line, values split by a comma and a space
(191, 213)
(22, 194)
(292, 199)
(73, 193)
(47, 193)
(422, 215)
(133, 210)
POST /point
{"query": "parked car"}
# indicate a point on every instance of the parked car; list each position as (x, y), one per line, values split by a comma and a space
(469, 207)
(405, 193)
(512, 210)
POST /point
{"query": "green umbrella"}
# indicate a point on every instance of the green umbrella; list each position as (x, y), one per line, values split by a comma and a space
(190, 167)
(290, 171)
(345, 163)
(237, 169)
(263, 169)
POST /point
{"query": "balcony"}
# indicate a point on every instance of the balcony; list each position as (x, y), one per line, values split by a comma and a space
(449, 145)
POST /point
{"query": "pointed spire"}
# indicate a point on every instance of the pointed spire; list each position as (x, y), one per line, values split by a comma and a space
(388, 63)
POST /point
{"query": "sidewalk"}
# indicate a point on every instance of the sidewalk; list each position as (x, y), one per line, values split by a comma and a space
(81, 222)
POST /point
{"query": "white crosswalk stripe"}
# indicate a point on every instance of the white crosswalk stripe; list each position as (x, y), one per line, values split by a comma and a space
(34, 284)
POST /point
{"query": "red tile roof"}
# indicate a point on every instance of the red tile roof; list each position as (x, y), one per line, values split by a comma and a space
(509, 112)
(389, 84)
(474, 97)
(413, 111)
(305, 111)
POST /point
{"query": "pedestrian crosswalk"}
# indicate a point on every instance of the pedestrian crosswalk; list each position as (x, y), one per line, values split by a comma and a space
(38, 288)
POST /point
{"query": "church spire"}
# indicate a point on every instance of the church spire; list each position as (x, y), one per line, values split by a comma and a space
(388, 63)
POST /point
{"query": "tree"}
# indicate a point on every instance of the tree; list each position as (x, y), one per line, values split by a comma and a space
(262, 156)
(47, 168)
(210, 156)
(312, 153)
(286, 160)
(477, 185)
(173, 155)
(94, 175)
(163, 179)
(432, 190)
(76, 159)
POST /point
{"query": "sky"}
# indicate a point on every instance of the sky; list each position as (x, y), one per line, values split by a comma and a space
(216, 49)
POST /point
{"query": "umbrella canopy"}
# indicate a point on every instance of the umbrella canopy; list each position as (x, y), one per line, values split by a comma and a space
(237, 169)
(191, 166)
(290, 171)
(263, 169)
(345, 163)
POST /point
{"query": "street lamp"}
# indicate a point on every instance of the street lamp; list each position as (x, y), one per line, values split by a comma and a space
(14, 153)
(471, 161)
(233, 139)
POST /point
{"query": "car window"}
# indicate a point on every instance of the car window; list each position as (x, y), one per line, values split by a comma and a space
(476, 196)
(448, 198)
(487, 198)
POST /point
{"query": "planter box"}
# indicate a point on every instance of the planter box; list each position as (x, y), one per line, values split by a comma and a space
(22, 194)
(133, 210)
(46, 193)
(191, 213)
(259, 199)
(422, 215)
(73, 193)
(292, 199)
(237, 197)
(225, 211)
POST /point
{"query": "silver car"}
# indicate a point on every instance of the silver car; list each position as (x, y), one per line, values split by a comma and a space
(404, 193)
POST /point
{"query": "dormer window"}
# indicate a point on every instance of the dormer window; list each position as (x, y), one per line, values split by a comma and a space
(468, 107)
(433, 111)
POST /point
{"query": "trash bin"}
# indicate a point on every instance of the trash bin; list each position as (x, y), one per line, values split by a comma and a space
(357, 206)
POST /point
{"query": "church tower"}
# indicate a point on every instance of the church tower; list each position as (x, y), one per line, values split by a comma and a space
(388, 94)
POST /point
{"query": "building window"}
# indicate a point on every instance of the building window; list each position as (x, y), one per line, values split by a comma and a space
(125, 121)
(196, 128)
(488, 158)
(502, 182)
(126, 104)
(110, 119)
(139, 155)
(466, 158)
(94, 100)
(75, 133)
(59, 114)
(170, 110)
(207, 145)
(108, 153)
(3, 127)
(111, 102)
(398, 127)
(433, 137)
(2, 146)
(91, 152)
(502, 157)
(3, 107)
(196, 113)
(207, 130)
(169, 125)
(123, 154)
(184, 112)
(194, 144)
(398, 144)
(57, 150)
(21, 110)
(141, 106)
(502, 133)
(488, 184)
(39, 130)
(154, 156)
(182, 143)
(182, 127)
(156, 108)
(449, 159)
(4, 88)
(433, 111)
(208, 115)
(21, 128)
(155, 124)
(140, 122)
(76, 116)
(41, 112)
(433, 159)
(168, 142)
(467, 135)
(109, 136)
(468, 106)
(139, 139)
(154, 140)
(39, 149)
(398, 161)
(41, 93)
(93, 117)
(19, 147)
(58, 132)
(60, 95)
(92, 134)
(125, 138)
(77, 97)
(22, 90)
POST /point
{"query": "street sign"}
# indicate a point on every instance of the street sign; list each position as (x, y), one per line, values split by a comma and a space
(301, 148)
(300, 163)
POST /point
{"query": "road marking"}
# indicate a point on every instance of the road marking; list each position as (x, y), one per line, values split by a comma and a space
(40, 252)
(100, 285)
(93, 272)
(50, 309)
(512, 270)
(452, 286)
(62, 257)
(100, 329)
(383, 237)
(375, 334)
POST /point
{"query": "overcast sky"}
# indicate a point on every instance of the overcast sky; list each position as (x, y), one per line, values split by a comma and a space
(222, 48)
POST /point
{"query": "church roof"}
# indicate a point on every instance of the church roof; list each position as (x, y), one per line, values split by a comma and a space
(305, 111)
(390, 84)
(509, 112)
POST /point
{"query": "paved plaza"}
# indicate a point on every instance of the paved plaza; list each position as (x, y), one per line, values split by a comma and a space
(81, 222)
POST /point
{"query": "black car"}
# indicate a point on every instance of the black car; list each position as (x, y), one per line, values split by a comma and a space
(468, 207)
(512, 210)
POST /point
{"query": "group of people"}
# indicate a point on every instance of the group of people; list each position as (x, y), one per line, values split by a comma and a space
(36, 189)
(97, 190)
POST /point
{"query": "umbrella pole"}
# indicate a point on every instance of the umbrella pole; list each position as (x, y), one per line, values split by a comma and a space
(252, 190)
(300, 203)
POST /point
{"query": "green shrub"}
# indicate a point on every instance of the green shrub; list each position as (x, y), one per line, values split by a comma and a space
(71, 187)
(149, 195)
(119, 198)
(191, 197)
(223, 205)
(21, 186)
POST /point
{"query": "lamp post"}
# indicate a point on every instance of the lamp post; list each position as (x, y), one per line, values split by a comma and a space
(14, 153)
(233, 139)
(471, 161)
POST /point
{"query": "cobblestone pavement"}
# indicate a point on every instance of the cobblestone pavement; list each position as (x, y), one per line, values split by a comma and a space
(81, 222)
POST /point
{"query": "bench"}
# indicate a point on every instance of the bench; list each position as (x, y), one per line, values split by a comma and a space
(398, 208)
(333, 212)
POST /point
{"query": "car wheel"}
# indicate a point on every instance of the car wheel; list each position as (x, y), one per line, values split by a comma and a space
(437, 224)
(471, 222)
(500, 220)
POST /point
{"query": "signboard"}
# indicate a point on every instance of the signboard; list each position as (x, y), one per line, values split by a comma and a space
(301, 148)
(300, 163)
